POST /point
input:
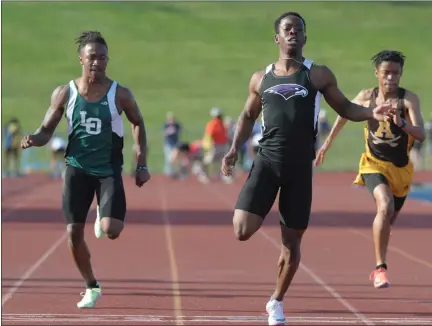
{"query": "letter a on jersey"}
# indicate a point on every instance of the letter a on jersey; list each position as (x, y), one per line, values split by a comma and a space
(384, 130)
(384, 135)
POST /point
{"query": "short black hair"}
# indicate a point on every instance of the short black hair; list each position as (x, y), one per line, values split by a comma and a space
(388, 55)
(89, 37)
(286, 14)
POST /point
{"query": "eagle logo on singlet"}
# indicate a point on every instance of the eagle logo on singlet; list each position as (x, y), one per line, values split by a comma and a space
(287, 91)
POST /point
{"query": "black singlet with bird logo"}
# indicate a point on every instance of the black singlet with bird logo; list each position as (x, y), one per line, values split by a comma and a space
(290, 108)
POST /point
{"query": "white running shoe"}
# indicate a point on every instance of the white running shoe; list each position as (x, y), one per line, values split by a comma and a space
(99, 233)
(90, 296)
(274, 309)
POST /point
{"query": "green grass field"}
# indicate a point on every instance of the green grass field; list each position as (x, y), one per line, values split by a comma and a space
(187, 57)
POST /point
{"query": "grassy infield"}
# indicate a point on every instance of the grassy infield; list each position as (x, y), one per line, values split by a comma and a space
(187, 57)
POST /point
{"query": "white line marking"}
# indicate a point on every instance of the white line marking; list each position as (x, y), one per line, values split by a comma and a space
(321, 282)
(314, 276)
(32, 269)
(81, 318)
(175, 285)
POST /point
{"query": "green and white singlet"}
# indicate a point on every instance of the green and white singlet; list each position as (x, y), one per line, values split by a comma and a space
(95, 133)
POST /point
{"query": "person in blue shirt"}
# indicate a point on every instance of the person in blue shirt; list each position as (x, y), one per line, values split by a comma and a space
(12, 139)
(171, 130)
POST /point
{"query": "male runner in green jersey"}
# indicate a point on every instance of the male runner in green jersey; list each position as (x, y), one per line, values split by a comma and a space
(92, 105)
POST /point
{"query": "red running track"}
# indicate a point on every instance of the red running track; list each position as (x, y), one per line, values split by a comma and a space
(177, 261)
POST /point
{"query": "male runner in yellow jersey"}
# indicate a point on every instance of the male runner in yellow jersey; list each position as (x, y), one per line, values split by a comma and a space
(385, 168)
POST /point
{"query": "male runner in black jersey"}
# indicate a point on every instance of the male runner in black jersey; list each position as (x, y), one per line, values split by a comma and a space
(385, 167)
(287, 93)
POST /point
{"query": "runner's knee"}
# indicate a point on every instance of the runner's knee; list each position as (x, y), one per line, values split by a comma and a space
(75, 232)
(291, 241)
(112, 227)
(386, 207)
(245, 224)
(384, 201)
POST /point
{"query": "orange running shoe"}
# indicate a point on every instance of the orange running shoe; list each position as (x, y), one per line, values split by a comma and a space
(379, 278)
